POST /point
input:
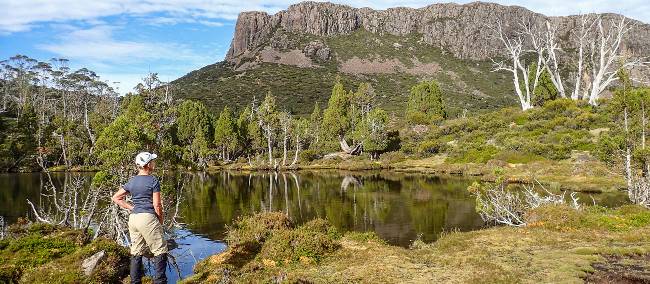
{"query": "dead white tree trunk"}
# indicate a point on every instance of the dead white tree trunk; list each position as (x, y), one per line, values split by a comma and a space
(536, 40)
(498, 205)
(268, 134)
(514, 51)
(599, 55)
(552, 65)
(285, 123)
(298, 146)
(607, 50)
(586, 25)
(644, 121)
(91, 135)
(347, 149)
(628, 152)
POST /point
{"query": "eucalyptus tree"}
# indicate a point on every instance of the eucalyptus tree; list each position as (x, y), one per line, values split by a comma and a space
(255, 135)
(60, 75)
(20, 75)
(87, 90)
(301, 134)
(267, 115)
(625, 145)
(591, 54)
(159, 101)
(286, 124)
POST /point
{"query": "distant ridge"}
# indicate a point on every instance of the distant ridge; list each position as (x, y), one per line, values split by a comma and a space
(457, 28)
(298, 53)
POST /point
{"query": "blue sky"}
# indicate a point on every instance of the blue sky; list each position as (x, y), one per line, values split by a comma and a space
(122, 40)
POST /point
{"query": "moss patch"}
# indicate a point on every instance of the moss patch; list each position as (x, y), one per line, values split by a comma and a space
(41, 253)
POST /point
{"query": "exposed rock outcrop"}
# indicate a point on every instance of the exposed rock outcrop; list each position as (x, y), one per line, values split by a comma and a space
(317, 50)
(461, 29)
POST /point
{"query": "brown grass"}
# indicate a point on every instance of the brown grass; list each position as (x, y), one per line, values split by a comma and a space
(543, 252)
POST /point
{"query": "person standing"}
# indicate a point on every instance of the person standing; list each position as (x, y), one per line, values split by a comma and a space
(146, 218)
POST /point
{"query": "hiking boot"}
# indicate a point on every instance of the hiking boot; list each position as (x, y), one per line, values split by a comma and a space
(137, 270)
(160, 267)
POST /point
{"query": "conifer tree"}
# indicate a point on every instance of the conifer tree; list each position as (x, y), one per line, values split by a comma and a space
(425, 104)
(315, 121)
(373, 132)
(225, 133)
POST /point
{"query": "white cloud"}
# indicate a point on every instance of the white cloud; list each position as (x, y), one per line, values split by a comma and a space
(123, 61)
(159, 21)
(98, 44)
(21, 15)
(99, 47)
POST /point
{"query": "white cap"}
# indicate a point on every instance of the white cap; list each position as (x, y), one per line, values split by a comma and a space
(144, 158)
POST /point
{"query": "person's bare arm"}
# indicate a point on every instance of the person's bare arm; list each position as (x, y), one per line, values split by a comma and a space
(119, 199)
(157, 206)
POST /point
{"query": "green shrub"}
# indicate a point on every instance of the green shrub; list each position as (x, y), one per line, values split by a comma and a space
(430, 147)
(392, 157)
(562, 217)
(477, 154)
(321, 226)
(515, 157)
(417, 117)
(312, 240)
(309, 155)
(509, 134)
(257, 228)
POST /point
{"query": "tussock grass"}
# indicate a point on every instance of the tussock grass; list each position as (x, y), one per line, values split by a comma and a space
(268, 241)
(561, 245)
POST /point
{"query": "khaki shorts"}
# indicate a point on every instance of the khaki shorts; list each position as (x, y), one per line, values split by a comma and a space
(146, 232)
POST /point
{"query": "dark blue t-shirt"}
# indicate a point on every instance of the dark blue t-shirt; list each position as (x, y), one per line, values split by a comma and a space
(142, 189)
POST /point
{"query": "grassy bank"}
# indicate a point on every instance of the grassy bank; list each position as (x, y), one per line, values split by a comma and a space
(559, 144)
(40, 253)
(580, 172)
(561, 245)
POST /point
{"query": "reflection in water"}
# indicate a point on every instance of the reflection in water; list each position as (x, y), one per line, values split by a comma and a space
(16, 189)
(398, 207)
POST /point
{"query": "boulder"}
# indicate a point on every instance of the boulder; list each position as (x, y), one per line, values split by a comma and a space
(89, 264)
(317, 50)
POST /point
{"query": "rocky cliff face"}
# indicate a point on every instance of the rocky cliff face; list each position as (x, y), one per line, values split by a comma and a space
(299, 53)
(460, 29)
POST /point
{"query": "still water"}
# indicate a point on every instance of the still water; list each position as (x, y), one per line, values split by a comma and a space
(398, 207)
